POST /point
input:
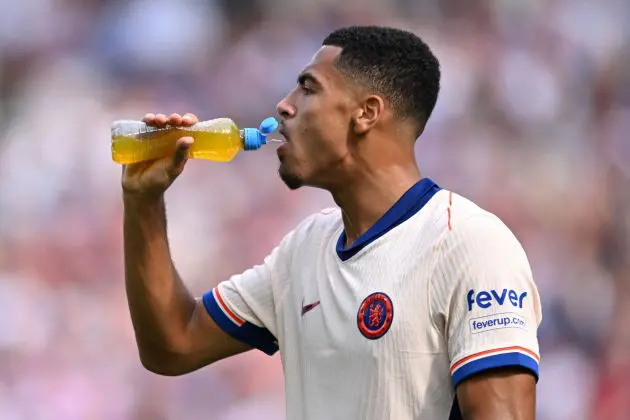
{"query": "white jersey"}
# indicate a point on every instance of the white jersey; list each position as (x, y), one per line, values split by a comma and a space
(436, 291)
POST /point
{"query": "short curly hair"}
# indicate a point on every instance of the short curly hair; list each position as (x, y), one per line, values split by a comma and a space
(393, 63)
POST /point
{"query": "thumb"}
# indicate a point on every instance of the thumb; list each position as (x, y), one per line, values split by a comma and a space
(181, 155)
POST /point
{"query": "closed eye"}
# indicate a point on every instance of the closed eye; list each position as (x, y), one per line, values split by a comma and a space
(308, 83)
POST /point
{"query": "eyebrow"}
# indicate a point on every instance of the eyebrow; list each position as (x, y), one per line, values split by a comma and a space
(308, 77)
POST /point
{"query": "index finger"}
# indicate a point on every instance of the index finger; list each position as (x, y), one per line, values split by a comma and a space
(148, 118)
(189, 119)
(174, 120)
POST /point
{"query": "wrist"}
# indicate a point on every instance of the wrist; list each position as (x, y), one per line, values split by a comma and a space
(142, 200)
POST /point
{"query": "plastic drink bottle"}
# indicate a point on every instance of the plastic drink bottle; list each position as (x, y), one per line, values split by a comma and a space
(219, 140)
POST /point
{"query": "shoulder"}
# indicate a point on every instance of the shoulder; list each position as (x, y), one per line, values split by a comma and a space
(468, 230)
(325, 219)
(461, 211)
(477, 251)
(312, 232)
(317, 226)
(449, 217)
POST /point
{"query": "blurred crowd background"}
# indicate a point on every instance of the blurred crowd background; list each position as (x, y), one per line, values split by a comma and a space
(532, 123)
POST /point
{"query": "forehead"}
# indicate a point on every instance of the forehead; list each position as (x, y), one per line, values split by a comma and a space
(322, 66)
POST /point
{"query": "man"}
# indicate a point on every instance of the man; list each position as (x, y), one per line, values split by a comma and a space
(407, 302)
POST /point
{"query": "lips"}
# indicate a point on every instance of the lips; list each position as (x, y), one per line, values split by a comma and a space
(283, 132)
(281, 149)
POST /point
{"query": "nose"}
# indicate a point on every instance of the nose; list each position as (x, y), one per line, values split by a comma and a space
(285, 109)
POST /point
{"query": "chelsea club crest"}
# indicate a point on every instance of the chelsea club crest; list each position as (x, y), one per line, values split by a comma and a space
(375, 315)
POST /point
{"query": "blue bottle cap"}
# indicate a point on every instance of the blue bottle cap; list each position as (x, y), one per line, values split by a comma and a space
(254, 139)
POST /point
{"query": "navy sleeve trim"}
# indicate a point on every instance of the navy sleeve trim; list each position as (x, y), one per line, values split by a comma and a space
(495, 361)
(236, 327)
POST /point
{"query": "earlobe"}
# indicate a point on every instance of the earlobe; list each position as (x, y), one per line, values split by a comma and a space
(367, 116)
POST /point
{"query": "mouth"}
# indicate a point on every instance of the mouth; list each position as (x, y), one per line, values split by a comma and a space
(283, 133)
(283, 145)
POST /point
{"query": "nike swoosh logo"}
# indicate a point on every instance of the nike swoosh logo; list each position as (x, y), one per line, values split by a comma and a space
(309, 307)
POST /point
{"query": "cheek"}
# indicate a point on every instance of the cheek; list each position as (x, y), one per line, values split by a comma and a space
(323, 129)
(311, 129)
(321, 122)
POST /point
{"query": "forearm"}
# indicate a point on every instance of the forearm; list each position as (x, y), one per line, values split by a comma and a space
(159, 303)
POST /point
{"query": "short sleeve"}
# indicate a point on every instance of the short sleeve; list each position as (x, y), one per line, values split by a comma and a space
(483, 299)
(244, 306)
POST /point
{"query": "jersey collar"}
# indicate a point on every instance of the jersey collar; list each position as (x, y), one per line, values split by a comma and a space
(410, 203)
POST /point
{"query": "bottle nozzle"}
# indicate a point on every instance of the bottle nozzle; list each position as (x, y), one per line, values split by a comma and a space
(254, 139)
(268, 125)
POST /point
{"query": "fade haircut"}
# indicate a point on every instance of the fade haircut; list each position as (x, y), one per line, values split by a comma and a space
(393, 63)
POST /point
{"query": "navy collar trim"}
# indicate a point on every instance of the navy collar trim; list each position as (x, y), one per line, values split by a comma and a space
(409, 204)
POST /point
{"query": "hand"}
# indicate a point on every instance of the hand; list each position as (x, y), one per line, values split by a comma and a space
(152, 178)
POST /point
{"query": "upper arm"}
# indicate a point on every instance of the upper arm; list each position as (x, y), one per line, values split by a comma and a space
(486, 305)
(235, 316)
(500, 394)
(202, 343)
(209, 342)
(245, 307)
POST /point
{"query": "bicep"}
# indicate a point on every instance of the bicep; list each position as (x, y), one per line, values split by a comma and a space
(498, 394)
(233, 317)
(239, 313)
(212, 342)
(203, 343)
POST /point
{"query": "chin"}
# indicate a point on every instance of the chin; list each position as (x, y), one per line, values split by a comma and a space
(291, 180)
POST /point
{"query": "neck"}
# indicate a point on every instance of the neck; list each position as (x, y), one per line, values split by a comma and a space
(367, 195)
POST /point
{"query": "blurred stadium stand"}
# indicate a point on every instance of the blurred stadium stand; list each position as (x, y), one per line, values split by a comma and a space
(532, 123)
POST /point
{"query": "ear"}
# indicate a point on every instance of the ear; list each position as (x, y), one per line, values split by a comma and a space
(368, 115)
